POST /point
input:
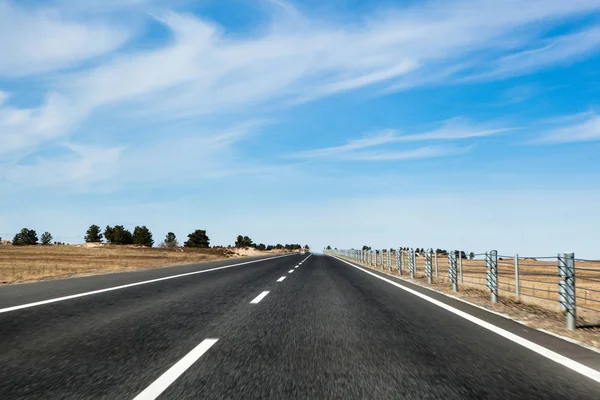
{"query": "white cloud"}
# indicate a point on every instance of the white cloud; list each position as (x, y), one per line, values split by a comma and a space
(578, 128)
(83, 166)
(34, 41)
(197, 156)
(560, 50)
(453, 129)
(202, 70)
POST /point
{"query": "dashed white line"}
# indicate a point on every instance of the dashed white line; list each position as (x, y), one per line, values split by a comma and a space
(74, 296)
(296, 266)
(166, 379)
(290, 271)
(259, 297)
(281, 279)
(549, 354)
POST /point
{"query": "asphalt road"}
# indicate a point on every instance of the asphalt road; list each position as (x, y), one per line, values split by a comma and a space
(327, 330)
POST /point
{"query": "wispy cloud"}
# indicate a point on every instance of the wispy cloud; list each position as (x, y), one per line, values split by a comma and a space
(44, 40)
(202, 70)
(559, 50)
(577, 128)
(453, 129)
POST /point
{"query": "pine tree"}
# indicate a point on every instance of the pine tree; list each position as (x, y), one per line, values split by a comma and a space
(142, 236)
(93, 234)
(198, 239)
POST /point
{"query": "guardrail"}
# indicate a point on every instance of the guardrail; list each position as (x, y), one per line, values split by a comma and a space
(562, 282)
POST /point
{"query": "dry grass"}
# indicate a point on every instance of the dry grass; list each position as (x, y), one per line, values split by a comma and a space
(27, 263)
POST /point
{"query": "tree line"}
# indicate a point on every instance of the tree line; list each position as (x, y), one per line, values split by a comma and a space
(422, 251)
(245, 242)
(142, 236)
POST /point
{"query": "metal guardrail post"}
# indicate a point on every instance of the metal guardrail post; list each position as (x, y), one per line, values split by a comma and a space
(401, 262)
(517, 283)
(452, 275)
(566, 270)
(437, 274)
(376, 259)
(460, 266)
(382, 262)
(491, 265)
(398, 261)
(428, 259)
(389, 259)
(411, 263)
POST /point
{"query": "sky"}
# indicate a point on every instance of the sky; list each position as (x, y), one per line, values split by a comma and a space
(457, 124)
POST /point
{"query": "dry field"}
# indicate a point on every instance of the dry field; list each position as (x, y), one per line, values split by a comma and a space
(538, 280)
(26, 263)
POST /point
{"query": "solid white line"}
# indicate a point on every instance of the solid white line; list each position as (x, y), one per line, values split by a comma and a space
(259, 298)
(281, 279)
(74, 296)
(549, 354)
(166, 379)
(290, 271)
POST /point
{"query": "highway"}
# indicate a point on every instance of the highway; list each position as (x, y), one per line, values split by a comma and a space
(293, 327)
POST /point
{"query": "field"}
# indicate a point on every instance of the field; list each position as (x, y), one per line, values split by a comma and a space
(26, 263)
(538, 280)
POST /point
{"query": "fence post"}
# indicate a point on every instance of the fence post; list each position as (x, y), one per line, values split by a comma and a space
(398, 261)
(517, 283)
(566, 270)
(436, 265)
(428, 257)
(452, 270)
(491, 261)
(389, 259)
(460, 265)
(401, 261)
(411, 263)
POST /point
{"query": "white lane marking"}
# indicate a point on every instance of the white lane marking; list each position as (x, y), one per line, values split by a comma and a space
(549, 354)
(74, 296)
(281, 279)
(290, 271)
(258, 298)
(296, 266)
(166, 379)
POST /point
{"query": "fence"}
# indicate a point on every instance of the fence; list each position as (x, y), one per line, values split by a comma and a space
(561, 283)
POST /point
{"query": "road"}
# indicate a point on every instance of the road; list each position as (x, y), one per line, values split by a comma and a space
(326, 330)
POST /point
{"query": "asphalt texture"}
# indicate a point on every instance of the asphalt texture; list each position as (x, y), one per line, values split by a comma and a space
(327, 331)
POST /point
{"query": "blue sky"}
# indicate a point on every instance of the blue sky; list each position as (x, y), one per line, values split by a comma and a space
(454, 124)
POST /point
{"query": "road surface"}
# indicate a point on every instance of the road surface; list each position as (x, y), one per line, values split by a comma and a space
(270, 329)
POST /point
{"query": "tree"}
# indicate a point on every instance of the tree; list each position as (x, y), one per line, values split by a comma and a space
(46, 238)
(328, 247)
(142, 236)
(366, 248)
(26, 237)
(471, 255)
(108, 234)
(93, 234)
(306, 247)
(198, 239)
(261, 247)
(170, 241)
(243, 241)
(118, 235)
